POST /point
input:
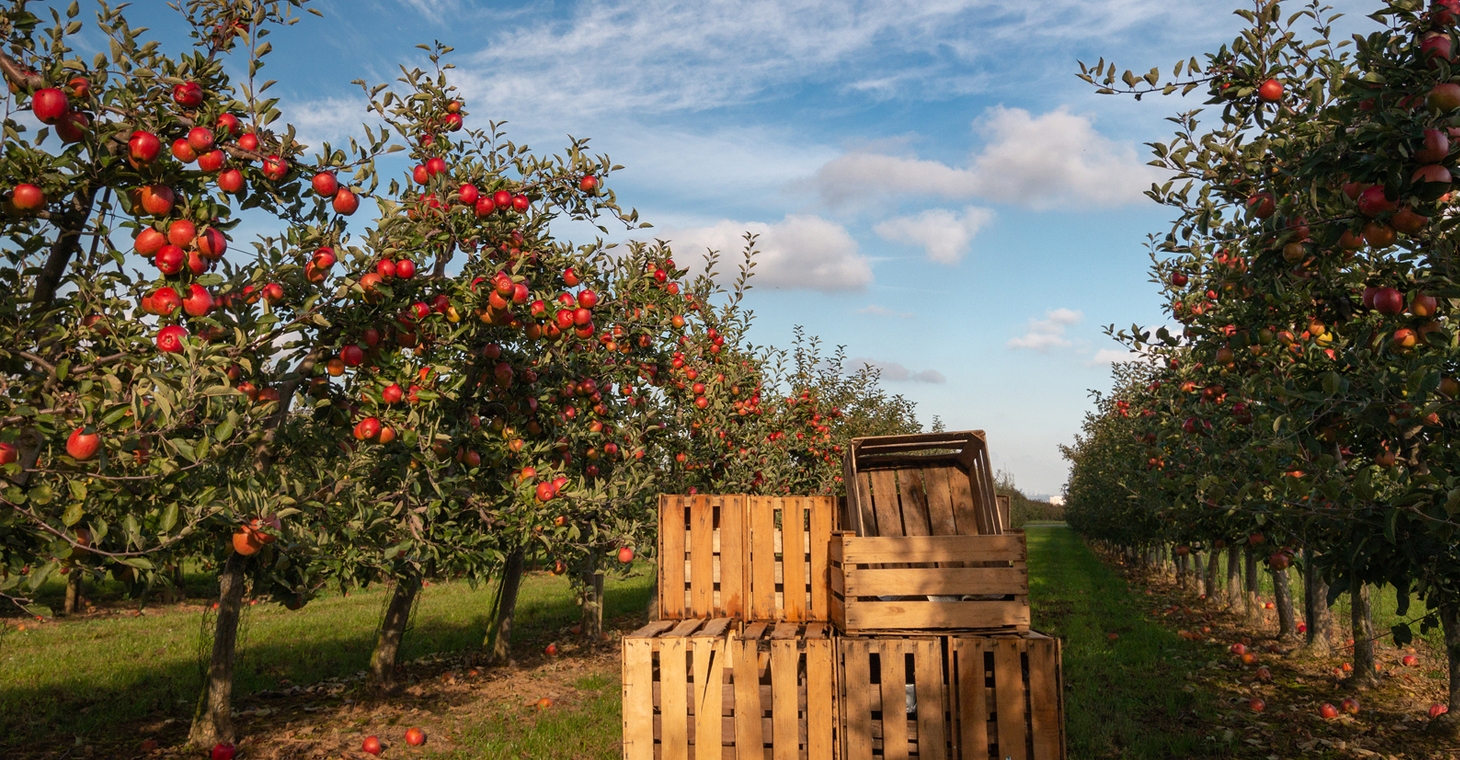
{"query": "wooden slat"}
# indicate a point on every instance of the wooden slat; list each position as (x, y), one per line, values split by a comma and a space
(821, 715)
(793, 559)
(823, 516)
(674, 712)
(748, 730)
(1044, 700)
(944, 440)
(983, 477)
(709, 670)
(968, 509)
(867, 525)
(894, 699)
(885, 503)
(918, 581)
(762, 591)
(732, 557)
(671, 557)
(1009, 691)
(702, 555)
(638, 704)
(940, 504)
(653, 629)
(784, 734)
(1003, 502)
(836, 611)
(714, 629)
(856, 685)
(928, 675)
(863, 616)
(684, 628)
(914, 497)
(913, 549)
(971, 710)
(852, 514)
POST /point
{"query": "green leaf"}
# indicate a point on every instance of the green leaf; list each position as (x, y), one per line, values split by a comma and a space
(39, 610)
(169, 519)
(73, 514)
(1402, 635)
(42, 494)
(224, 431)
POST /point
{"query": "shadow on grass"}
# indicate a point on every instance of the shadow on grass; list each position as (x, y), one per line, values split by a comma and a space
(1127, 697)
(63, 683)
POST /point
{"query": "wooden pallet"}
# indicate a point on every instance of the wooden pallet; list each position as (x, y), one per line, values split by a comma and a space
(701, 556)
(670, 669)
(951, 698)
(785, 695)
(1003, 502)
(786, 557)
(935, 484)
(884, 584)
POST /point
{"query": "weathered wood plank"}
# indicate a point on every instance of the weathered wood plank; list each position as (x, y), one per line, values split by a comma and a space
(638, 696)
(671, 557)
(762, 591)
(702, 555)
(855, 686)
(793, 558)
(823, 517)
(748, 711)
(821, 714)
(894, 699)
(784, 735)
(709, 670)
(1046, 715)
(1009, 691)
(674, 711)
(913, 494)
(863, 616)
(917, 549)
(885, 503)
(971, 709)
(732, 556)
(928, 683)
(931, 580)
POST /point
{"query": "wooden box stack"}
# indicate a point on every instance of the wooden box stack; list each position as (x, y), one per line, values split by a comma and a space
(905, 636)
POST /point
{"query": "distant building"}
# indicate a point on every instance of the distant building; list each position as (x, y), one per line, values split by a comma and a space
(1058, 501)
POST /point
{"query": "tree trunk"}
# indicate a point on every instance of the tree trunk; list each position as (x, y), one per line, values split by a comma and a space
(173, 590)
(1450, 621)
(1249, 602)
(1181, 571)
(1315, 609)
(499, 638)
(1213, 557)
(1234, 577)
(1363, 629)
(393, 629)
(592, 602)
(213, 719)
(74, 580)
(1283, 595)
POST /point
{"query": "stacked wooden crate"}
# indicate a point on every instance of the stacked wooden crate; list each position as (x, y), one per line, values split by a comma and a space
(743, 629)
(932, 591)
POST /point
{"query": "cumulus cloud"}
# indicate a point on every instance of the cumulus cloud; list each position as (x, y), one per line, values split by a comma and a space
(883, 311)
(1109, 356)
(332, 120)
(1045, 334)
(944, 234)
(892, 371)
(1056, 159)
(798, 252)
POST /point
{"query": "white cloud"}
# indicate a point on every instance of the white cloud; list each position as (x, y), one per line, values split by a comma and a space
(1057, 159)
(944, 234)
(798, 252)
(883, 311)
(1045, 334)
(332, 120)
(892, 371)
(1109, 356)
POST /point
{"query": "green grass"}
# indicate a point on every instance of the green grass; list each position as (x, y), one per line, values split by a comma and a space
(1126, 698)
(589, 729)
(85, 676)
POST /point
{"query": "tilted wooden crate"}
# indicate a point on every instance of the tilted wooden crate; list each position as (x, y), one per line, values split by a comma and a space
(929, 583)
(702, 556)
(786, 557)
(784, 689)
(954, 698)
(671, 669)
(935, 484)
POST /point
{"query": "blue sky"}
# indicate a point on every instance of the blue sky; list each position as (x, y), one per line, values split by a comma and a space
(933, 187)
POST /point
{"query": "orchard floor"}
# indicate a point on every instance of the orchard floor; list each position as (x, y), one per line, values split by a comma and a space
(1149, 693)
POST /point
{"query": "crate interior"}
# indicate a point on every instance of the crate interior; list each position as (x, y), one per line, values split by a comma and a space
(925, 485)
(701, 545)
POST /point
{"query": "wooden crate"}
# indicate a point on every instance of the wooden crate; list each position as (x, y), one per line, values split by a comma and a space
(671, 668)
(954, 698)
(784, 689)
(1003, 502)
(889, 584)
(936, 484)
(701, 556)
(786, 557)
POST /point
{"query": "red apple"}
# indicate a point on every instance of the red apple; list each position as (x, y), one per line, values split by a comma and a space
(1263, 674)
(1327, 711)
(415, 737)
(1373, 201)
(325, 184)
(1438, 710)
(405, 269)
(170, 339)
(1410, 661)
(1431, 174)
(1350, 706)
(170, 259)
(435, 165)
(230, 124)
(181, 232)
(1405, 338)
(148, 242)
(1256, 704)
(230, 181)
(1388, 301)
(1408, 222)
(28, 197)
(49, 105)
(1422, 305)
(82, 445)
(212, 243)
(201, 139)
(1435, 46)
(626, 555)
(188, 95)
(144, 147)
(275, 168)
(545, 492)
(346, 202)
(1444, 97)
(352, 355)
(1436, 147)
(552, 650)
(502, 199)
(249, 142)
(183, 152)
(157, 199)
(1260, 205)
(199, 301)
(213, 161)
(544, 703)
(392, 393)
(371, 746)
(165, 301)
(588, 184)
(1278, 561)
(8, 454)
(72, 127)
(1238, 649)
(1270, 91)
(222, 750)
